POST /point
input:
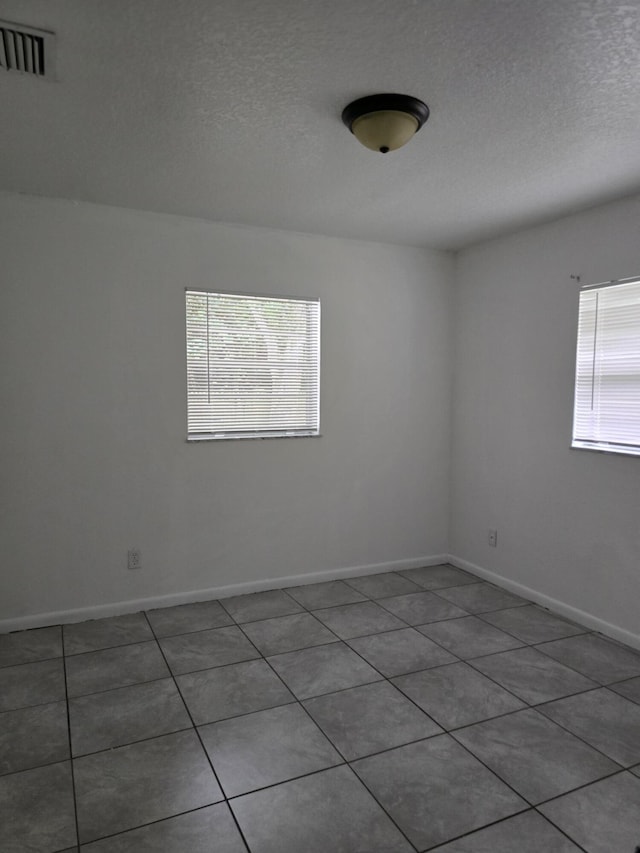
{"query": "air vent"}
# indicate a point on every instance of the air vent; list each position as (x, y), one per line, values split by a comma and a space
(26, 50)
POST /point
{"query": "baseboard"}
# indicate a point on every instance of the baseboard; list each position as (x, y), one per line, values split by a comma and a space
(118, 608)
(553, 604)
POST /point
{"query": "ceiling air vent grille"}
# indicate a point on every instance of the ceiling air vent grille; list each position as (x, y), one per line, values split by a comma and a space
(26, 50)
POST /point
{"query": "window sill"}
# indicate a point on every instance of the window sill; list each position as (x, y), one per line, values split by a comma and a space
(614, 450)
(206, 438)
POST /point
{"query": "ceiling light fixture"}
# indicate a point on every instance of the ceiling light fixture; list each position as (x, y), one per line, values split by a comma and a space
(385, 122)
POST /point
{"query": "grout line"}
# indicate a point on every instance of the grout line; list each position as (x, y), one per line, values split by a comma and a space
(29, 707)
(538, 647)
(329, 740)
(189, 633)
(199, 736)
(621, 695)
(317, 772)
(536, 706)
(111, 648)
(512, 691)
(495, 823)
(487, 767)
(300, 702)
(35, 767)
(71, 765)
(119, 687)
(456, 741)
(613, 773)
(619, 767)
(148, 823)
(532, 642)
(400, 746)
(245, 714)
(124, 744)
(27, 662)
(561, 830)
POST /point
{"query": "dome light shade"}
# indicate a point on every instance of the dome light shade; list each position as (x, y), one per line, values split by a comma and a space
(385, 122)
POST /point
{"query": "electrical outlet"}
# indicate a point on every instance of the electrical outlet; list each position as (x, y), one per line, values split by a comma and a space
(493, 538)
(134, 558)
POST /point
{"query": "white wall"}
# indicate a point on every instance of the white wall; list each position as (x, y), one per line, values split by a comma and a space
(92, 401)
(568, 521)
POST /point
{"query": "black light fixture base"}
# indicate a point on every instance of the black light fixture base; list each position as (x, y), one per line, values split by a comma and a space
(391, 101)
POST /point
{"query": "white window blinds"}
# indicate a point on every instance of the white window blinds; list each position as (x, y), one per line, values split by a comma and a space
(253, 366)
(607, 393)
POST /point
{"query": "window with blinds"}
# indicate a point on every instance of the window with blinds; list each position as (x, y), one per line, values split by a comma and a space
(253, 366)
(607, 394)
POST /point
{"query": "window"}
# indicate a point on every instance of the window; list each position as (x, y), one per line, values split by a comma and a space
(253, 366)
(607, 397)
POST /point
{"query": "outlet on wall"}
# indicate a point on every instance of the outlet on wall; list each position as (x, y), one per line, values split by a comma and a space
(493, 538)
(134, 558)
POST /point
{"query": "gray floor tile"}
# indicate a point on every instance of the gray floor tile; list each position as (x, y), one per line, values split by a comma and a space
(190, 652)
(603, 817)
(532, 676)
(383, 585)
(216, 694)
(469, 637)
(457, 695)
(358, 620)
(111, 668)
(603, 719)
(37, 810)
(99, 634)
(598, 658)
(261, 605)
(397, 652)
(328, 811)
(33, 736)
(434, 790)
(152, 790)
(132, 785)
(421, 607)
(30, 646)
(31, 684)
(528, 832)
(265, 748)
(327, 594)
(532, 624)
(185, 618)
(438, 577)
(125, 715)
(288, 633)
(324, 669)
(481, 597)
(533, 755)
(207, 830)
(629, 689)
(368, 719)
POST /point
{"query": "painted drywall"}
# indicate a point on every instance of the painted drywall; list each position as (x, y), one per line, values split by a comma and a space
(93, 403)
(568, 521)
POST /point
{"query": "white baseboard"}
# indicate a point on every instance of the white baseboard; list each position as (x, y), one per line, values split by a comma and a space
(118, 608)
(559, 607)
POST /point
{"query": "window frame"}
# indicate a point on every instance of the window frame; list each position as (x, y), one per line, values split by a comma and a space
(600, 445)
(204, 437)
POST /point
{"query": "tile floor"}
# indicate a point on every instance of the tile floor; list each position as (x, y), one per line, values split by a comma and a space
(411, 711)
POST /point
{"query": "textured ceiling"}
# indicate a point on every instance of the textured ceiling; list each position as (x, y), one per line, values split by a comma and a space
(229, 110)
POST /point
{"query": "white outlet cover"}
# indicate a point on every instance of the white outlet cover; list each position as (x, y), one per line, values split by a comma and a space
(134, 558)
